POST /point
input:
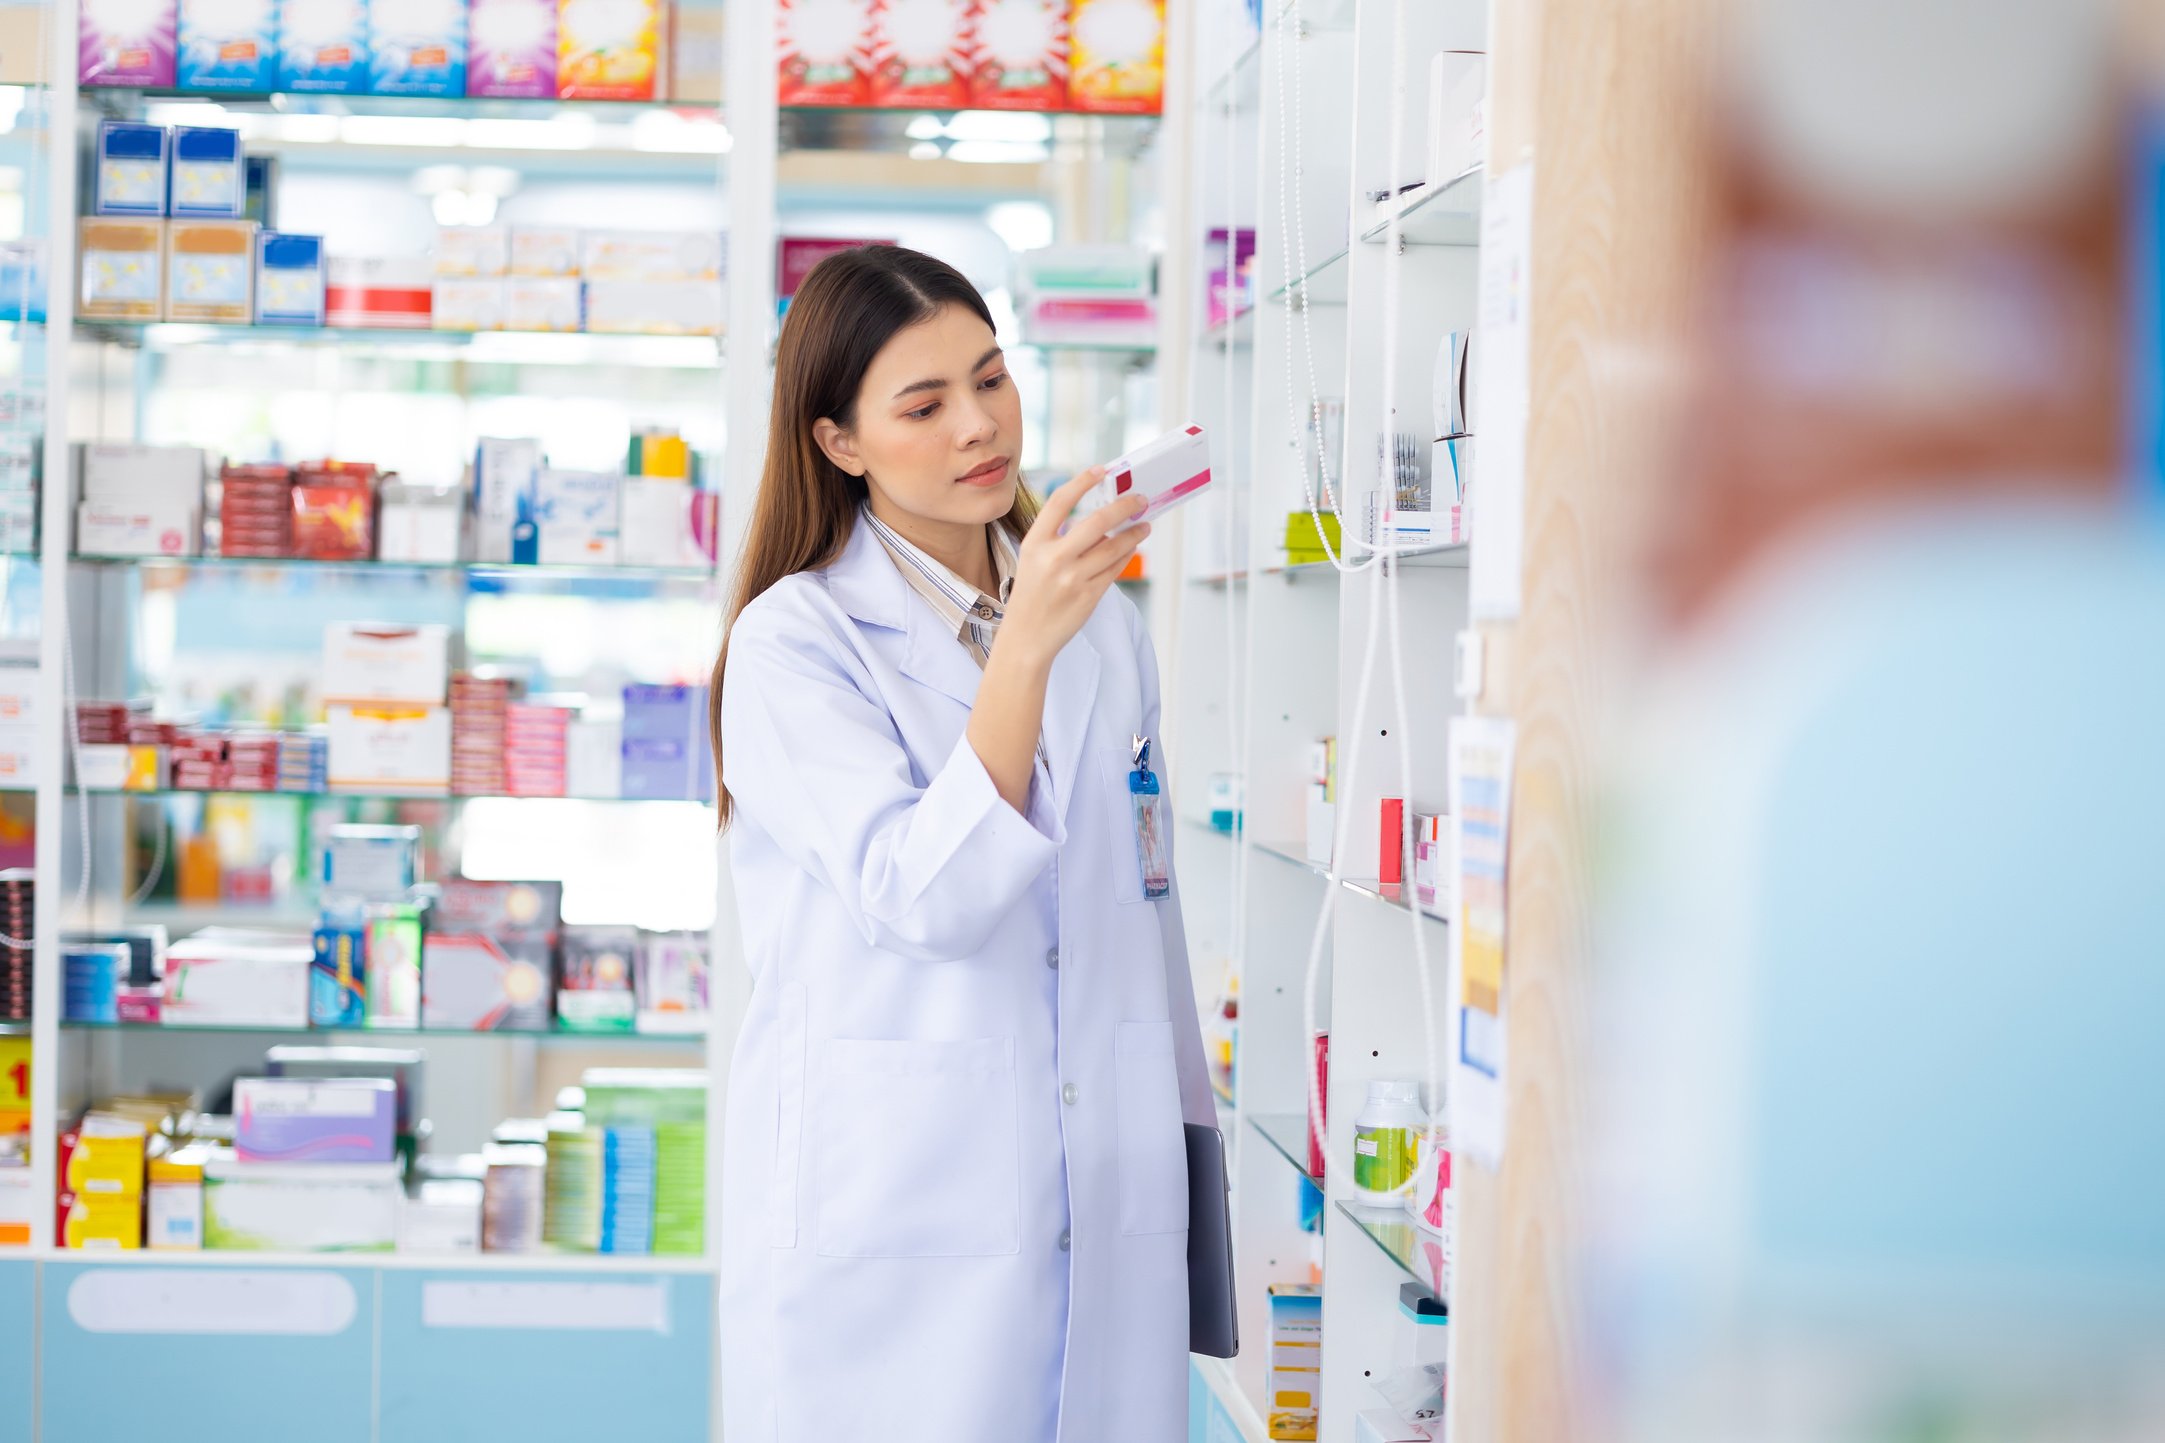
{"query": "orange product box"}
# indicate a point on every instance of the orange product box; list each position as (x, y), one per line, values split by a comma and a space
(1117, 65)
(607, 52)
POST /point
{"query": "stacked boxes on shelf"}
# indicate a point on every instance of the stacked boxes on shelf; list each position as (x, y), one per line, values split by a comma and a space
(169, 236)
(1088, 295)
(22, 434)
(480, 706)
(1041, 55)
(653, 516)
(441, 48)
(18, 734)
(384, 689)
(18, 933)
(617, 282)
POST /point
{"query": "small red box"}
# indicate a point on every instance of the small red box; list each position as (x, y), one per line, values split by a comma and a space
(1391, 844)
(822, 62)
(1020, 55)
(920, 57)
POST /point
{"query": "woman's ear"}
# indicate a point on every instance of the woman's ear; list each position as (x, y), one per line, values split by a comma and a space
(836, 443)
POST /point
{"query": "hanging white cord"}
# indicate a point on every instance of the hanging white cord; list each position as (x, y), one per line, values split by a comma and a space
(1236, 549)
(1383, 601)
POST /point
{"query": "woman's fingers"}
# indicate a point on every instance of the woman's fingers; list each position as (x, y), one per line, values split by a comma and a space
(1061, 503)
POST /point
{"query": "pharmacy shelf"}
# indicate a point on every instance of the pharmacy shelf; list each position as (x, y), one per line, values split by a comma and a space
(1239, 87)
(536, 1034)
(1392, 894)
(370, 794)
(1293, 855)
(1134, 355)
(1419, 1253)
(489, 570)
(123, 101)
(1324, 283)
(544, 1262)
(1238, 328)
(15, 1029)
(495, 348)
(1288, 1138)
(1454, 556)
(1014, 137)
(1432, 215)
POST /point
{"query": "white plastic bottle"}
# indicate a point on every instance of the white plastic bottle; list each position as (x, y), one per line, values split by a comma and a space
(1385, 1139)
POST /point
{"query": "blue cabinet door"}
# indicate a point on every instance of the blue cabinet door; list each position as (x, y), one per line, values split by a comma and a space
(470, 1355)
(18, 1326)
(206, 1353)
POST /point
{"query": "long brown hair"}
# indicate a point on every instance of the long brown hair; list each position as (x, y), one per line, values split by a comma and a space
(848, 307)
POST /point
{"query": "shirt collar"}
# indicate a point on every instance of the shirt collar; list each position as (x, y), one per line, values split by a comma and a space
(949, 595)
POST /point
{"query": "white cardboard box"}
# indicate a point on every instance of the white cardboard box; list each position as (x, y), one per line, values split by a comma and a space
(300, 1207)
(1457, 119)
(118, 472)
(420, 523)
(392, 747)
(379, 661)
(505, 473)
(594, 757)
(468, 304)
(226, 978)
(667, 523)
(654, 308)
(544, 250)
(574, 520)
(472, 250)
(646, 255)
(161, 528)
(542, 303)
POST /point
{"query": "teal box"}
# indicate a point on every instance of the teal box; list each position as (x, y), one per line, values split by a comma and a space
(338, 979)
(323, 46)
(228, 46)
(417, 47)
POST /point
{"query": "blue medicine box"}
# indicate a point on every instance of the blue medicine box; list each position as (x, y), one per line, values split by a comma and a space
(131, 166)
(210, 180)
(289, 280)
(228, 45)
(323, 46)
(417, 47)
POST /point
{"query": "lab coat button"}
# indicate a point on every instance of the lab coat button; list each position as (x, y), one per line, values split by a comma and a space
(1052, 958)
(1065, 1240)
(1069, 1093)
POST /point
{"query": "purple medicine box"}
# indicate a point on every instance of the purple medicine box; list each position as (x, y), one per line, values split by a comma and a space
(297, 1119)
(511, 49)
(126, 42)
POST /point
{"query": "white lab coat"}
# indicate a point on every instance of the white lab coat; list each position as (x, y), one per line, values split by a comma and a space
(970, 1039)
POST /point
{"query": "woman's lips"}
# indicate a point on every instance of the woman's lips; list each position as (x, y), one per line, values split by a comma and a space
(991, 473)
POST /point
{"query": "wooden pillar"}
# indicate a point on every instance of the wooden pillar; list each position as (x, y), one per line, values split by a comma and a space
(1604, 99)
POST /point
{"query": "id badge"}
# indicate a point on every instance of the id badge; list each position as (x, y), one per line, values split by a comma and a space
(1148, 808)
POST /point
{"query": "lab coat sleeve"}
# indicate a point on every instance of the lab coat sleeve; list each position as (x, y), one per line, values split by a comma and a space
(1198, 1104)
(927, 872)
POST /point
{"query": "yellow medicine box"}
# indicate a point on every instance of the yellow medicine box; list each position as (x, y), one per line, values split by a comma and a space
(123, 275)
(108, 1223)
(210, 269)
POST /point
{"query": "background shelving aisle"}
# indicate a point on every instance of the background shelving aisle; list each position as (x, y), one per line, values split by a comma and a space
(1357, 250)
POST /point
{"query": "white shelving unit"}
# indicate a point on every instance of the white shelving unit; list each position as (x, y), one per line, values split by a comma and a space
(1270, 656)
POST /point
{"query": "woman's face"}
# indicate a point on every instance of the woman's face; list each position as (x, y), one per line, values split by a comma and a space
(938, 431)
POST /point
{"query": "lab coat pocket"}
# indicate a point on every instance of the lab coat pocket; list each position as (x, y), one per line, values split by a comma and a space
(919, 1153)
(788, 1116)
(1127, 867)
(1153, 1148)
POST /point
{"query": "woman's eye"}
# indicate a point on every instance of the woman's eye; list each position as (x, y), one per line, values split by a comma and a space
(993, 383)
(922, 411)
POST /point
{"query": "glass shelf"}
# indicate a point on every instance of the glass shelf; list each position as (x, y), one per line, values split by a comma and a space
(490, 570)
(366, 794)
(1433, 215)
(1392, 894)
(541, 1261)
(1446, 556)
(1324, 284)
(1239, 329)
(15, 1029)
(509, 348)
(535, 1034)
(122, 98)
(1419, 1253)
(1288, 1137)
(1296, 856)
(1238, 87)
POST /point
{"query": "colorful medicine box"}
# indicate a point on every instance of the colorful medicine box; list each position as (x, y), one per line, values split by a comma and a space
(511, 49)
(1294, 1392)
(505, 475)
(323, 46)
(289, 280)
(210, 268)
(123, 277)
(126, 42)
(228, 45)
(607, 51)
(229, 983)
(394, 965)
(572, 521)
(1118, 60)
(300, 1207)
(484, 983)
(210, 182)
(417, 47)
(826, 52)
(366, 860)
(1022, 55)
(920, 55)
(338, 981)
(392, 747)
(293, 1119)
(132, 169)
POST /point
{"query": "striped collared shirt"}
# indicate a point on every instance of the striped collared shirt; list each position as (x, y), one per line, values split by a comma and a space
(972, 615)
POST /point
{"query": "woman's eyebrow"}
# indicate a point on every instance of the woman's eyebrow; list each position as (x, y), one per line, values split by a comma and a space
(936, 384)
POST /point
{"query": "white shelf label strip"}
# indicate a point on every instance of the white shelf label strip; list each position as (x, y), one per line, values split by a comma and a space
(581, 1307)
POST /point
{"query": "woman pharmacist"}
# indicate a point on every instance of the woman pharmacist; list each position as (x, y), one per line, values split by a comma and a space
(955, 1198)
